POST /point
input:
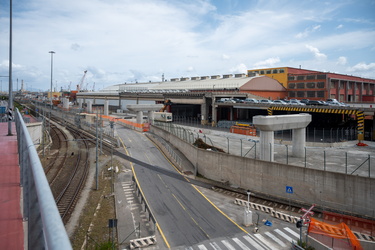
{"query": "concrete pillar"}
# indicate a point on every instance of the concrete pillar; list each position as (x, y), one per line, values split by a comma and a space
(150, 116)
(89, 106)
(299, 142)
(214, 117)
(106, 104)
(266, 145)
(204, 111)
(65, 103)
(140, 117)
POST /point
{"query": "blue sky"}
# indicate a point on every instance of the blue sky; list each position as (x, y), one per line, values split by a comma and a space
(119, 41)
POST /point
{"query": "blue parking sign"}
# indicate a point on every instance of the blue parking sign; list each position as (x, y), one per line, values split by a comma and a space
(289, 189)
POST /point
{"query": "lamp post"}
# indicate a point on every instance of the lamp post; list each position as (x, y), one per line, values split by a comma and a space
(10, 101)
(248, 215)
(51, 52)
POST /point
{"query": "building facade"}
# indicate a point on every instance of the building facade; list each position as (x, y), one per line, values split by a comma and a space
(316, 85)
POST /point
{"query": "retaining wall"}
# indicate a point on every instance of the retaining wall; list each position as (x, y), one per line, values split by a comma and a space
(328, 190)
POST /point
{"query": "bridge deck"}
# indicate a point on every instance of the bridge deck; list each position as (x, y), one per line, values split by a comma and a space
(11, 223)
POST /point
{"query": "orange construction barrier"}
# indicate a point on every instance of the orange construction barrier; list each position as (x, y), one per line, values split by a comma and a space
(340, 231)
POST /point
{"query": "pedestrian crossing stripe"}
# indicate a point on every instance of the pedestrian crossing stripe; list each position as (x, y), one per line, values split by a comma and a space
(291, 232)
(242, 245)
(270, 244)
(274, 238)
(281, 233)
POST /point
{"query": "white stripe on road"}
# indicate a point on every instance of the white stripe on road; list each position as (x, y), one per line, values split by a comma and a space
(252, 242)
(291, 232)
(275, 239)
(215, 246)
(202, 247)
(283, 235)
(238, 242)
(228, 245)
(268, 243)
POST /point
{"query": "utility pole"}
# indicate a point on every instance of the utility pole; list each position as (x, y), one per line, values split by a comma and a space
(10, 101)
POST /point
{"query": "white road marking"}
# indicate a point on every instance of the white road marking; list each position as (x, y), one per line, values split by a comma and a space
(273, 237)
(215, 246)
(291, 232)
(238, 242)
(263, 239)
(228, 245)
(252, 242)
(283, 235)
(202, 247)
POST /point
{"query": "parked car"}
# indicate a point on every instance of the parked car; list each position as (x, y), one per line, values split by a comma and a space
(266, 101)
(344, 104)
(296, 102)
(280, 102)
(305, 101)
(250, 100)
(315, 103)
(237, 100)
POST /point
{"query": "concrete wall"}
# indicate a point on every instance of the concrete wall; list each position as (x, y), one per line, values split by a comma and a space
(328, 190)
(35, 130)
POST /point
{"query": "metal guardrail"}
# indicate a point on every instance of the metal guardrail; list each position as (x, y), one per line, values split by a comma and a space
(45, 227)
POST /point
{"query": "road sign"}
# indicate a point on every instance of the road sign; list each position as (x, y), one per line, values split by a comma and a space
(289, 189)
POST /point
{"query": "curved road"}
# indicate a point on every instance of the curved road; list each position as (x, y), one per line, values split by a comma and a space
(184, 215)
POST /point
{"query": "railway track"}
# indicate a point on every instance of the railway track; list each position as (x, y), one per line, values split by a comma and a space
(74, 182)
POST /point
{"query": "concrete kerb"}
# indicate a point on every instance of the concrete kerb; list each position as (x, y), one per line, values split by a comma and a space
(269, 210)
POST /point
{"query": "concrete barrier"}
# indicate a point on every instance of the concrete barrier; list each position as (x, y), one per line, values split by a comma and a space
(329, 190)
(142, 242)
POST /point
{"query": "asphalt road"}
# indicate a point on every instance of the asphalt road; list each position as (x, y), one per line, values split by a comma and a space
(187, 219)
(184, 215)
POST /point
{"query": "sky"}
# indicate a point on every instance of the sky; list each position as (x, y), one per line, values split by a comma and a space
(127, 41)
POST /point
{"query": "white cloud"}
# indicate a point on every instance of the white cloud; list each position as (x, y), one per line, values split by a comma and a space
(362, 67)
(342, 60)
(268, 62)
(339, 26)
(318, 55)
(120, 41)
(308, 31)
(225, 57)
(240, 68)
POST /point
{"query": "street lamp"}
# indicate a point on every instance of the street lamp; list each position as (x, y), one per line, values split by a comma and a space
(49, 128)
(248, 199)
(248, 215)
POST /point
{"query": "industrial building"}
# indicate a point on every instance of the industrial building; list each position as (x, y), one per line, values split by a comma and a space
(317, 85)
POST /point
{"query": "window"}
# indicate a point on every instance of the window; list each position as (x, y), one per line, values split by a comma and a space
(256, 71)
(300, 94)
(310, 77)
(320, 85)
(292, 94)
(281, 70)
(274, 71)
(310, 85)
(290, 78)
(300, 77)
(310, 93)
(320, 94)
(300, 85)
(268, 72)
(291, 85)
(321, 77)
(262, 72)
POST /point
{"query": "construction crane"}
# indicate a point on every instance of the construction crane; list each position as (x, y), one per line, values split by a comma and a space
(80, 86)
